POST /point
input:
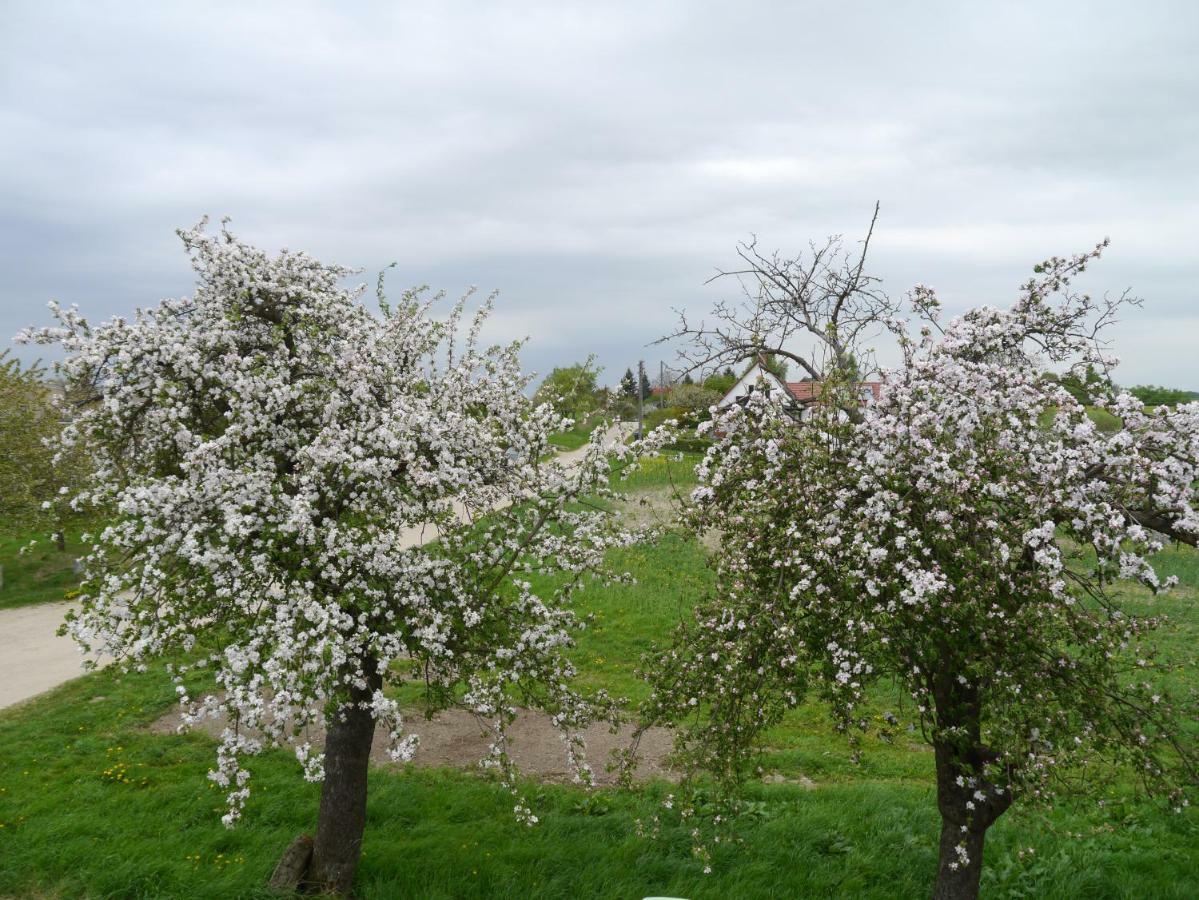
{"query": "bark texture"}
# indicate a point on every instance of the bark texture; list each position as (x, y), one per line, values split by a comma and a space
(960, 883)
(289, 873)
(968, 808)
(342, 818)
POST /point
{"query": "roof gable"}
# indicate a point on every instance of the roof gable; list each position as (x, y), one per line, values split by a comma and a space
(802, 392)
(754, 376)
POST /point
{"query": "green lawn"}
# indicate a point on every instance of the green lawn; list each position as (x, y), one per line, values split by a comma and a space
(43, 573)
(1103, 419)
(578, 435)
(91, 804)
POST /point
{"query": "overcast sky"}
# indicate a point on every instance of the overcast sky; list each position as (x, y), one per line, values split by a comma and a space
(595, 162)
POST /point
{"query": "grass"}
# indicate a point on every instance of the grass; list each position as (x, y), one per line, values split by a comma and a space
(1104, 420)
(94, 805)
(579, 433)
(42, 574)
(668, 469)
(628, 619)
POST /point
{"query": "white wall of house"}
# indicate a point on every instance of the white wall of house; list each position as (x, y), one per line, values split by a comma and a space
(753, 380)
(758, 378)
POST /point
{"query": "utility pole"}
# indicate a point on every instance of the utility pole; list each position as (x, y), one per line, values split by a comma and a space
(641, 399)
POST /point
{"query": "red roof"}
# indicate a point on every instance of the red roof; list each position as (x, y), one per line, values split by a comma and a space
(808, 391)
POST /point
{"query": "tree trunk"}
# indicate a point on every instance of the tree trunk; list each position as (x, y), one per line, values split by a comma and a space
(293, 867)
(968, 801)
(342, 818)
(60, 540)
(957, 880)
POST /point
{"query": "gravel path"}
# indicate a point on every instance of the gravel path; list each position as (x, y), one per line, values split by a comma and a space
(33, 659)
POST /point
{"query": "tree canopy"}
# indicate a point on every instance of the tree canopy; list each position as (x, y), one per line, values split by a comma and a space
(279, 460)
(1156, 395)
(31, 473)
(929, 540)
(721, 383)
(628, 384)
(571, 390)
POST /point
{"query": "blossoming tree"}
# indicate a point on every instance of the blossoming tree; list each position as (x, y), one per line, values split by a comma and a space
(960, 538)
(275, 459)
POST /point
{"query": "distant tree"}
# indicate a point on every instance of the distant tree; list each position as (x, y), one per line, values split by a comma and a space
(775, 365)
(624, 408)
(1156, 395)
(687, 379)
(26, 420)
(31, 474)
(646, 388)
(695, 400)
(721, 383)
(571, 390)
(1084, 386)
(628, 384)
(849, 371)
(605, 398)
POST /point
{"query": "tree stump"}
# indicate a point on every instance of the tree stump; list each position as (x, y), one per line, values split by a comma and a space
(293, 865)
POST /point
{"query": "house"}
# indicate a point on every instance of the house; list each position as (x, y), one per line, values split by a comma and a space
(797, 396)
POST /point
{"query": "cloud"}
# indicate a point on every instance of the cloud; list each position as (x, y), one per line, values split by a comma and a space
(597, 162)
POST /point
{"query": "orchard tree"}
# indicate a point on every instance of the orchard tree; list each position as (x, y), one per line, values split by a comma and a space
(1082, 387)
(825, 298)
(947, 541)
(273, 453)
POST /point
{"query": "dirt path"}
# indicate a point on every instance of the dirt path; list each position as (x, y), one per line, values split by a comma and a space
(33, 659)
(455, 738)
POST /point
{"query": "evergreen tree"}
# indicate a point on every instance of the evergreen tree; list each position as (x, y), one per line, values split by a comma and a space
(628, 384)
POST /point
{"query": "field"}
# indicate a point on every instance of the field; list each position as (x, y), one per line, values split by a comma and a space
(93, 804)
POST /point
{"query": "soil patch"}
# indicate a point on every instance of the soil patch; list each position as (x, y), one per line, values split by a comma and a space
(454, 738)
(658, 507)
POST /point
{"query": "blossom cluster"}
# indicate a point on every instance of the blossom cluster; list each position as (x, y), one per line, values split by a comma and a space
(308, 498)
(960, 538)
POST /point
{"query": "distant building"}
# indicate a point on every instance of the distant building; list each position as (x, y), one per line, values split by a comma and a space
(797, 397)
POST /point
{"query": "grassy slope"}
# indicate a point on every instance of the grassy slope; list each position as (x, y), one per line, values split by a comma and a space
(42, 574)
(92, 805)
(578, 435)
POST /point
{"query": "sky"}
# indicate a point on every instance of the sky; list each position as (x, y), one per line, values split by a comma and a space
(596, 162)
